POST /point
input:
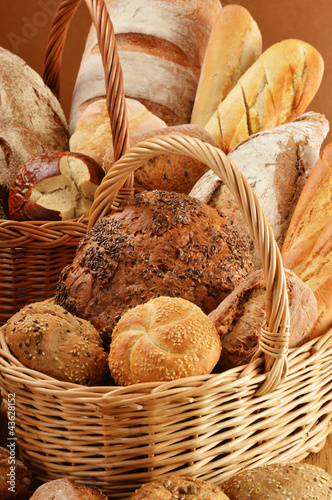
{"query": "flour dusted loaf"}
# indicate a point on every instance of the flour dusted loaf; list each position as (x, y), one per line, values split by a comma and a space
(157, 243)
(67, 489)
(31, 119)
(277, 164)
(47, 338)
(240, 316)
(161, 46)
(178, 487)
(283, 481)
(166, 338)
(275, 90)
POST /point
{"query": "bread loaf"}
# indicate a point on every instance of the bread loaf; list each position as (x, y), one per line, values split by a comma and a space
(67, 489)
(277, 164)
(283, 481)
(47, 338)
(307, 248)
(31, 122)
(54, 186)
(93, 135)
(166, 338)
(275, 90)
(234, 45)
(157, 243)
(240, 316)
(161, 46)
(16, 480)
(178, 487)
(169, 172)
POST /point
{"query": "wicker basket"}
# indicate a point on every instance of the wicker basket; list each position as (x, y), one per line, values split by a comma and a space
(32, 254)
(276, 408)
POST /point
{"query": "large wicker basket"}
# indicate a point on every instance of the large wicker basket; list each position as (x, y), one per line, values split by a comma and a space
(32, 254)
(276, 408)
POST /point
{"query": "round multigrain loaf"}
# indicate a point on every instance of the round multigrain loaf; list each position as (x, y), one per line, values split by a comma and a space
(67, 489)
(179, 487)
(47, 338)
(31, 122)
(157, 243)
(238, 318)
(164, 339)
(285, 481)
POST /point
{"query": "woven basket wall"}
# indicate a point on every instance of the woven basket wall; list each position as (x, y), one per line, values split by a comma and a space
(277, 408)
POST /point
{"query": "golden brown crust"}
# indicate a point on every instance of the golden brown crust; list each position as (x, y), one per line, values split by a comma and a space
(238, 319)
(16, 480)
(47, 338)
(176, 487)
(284, 481)
(166, 338)
(158, 243)
(67, 489)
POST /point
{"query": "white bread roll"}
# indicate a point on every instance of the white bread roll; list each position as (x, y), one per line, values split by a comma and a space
(234, 45)
(161, 46)
(275, 90)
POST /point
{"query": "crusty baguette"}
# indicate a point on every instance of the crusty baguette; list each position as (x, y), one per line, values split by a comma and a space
(234, 45)
(275, 90)
(161, 46)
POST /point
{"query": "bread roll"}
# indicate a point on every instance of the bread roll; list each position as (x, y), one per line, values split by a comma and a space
(93, 135)
(284, 481)
(16, 480)
(239, 318)
(178, 487)
(275, 90)
(277, 164)
(47, 338)
(234, 45)
(31, 122)
(169, 172)
(164, 339)
(157, 243)
(307, 248)
(54, 186)
(67, 489)
(161, 46)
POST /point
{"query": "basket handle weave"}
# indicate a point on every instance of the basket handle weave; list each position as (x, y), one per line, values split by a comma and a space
(274, 337)
(115, 96)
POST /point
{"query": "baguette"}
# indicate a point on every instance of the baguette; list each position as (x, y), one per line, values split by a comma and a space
(234, 45)
(275, 90)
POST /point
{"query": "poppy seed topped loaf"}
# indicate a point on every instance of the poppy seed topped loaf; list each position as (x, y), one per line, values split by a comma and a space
(158, 243)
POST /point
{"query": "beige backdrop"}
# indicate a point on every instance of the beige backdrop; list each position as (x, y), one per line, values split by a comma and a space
(24, 26)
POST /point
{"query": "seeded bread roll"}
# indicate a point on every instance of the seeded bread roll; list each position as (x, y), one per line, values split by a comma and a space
(179, 487)
(47, 338)
(164, 339)
(157, 243)
(238, 318)
(284, 481)
(67, 489)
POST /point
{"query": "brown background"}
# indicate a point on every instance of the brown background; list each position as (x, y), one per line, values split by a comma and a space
(24, 26)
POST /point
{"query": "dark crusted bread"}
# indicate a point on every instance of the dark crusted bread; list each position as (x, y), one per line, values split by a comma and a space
(158, 243)
(16, 480)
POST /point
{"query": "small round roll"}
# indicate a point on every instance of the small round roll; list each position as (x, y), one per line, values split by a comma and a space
(166, 338)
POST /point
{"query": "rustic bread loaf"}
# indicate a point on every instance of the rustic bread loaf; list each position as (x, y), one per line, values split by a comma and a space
(181, 487)
(54, 186)
(240, 316)
(170, 172)
(47, 338)
(67, 489)
(283, 481)
(161, 46)
(307, 248)
(93, 135)
(31, 122)
(277, 164)
(275, 90)
(234, 45)
(16, 480)
(157, 243)
(166, 338)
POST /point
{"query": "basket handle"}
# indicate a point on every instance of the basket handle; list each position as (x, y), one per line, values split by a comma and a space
(274, 337)
(115, 96)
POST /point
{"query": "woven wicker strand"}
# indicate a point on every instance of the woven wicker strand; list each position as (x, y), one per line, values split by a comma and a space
(277, 312)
